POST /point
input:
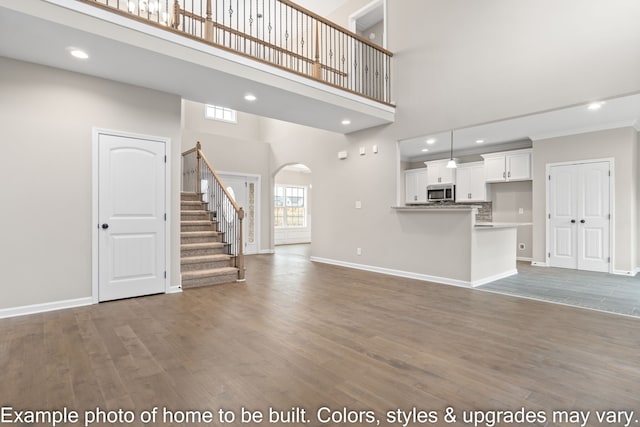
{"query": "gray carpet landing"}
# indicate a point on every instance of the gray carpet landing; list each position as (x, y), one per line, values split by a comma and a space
(597, 291)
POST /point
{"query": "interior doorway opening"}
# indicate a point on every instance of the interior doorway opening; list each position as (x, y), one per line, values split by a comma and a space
(292, 200)
(370, 22)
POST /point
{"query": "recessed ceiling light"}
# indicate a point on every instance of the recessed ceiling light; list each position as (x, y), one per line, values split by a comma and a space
(424, 150)
(479, 141)
(346, 122)
(249, 97)
(80, 54)
(431, 141)
(595, 105)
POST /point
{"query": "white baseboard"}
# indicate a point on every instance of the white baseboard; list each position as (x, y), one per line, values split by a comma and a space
(523, 258)
(539, 264)
(266, 251)
(494, 278)
(410, 275)
(625, 273)
(174, 289)
(43, 308)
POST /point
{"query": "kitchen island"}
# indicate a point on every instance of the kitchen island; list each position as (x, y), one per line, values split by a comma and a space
(454, 248)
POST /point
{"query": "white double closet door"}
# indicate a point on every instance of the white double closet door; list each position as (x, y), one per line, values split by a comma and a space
(579, 216)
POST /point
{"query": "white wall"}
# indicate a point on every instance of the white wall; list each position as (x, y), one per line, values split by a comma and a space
(474, 62)
(619, 144)
(507, 200)
(45, 174)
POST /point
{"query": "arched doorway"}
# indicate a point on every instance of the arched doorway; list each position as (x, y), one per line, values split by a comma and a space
(292, 199)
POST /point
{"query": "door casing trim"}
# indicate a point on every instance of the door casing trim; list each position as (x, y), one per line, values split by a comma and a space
(258, 202)
(95, 220)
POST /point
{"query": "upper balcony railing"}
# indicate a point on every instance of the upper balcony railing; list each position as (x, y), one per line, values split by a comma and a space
(277, 32)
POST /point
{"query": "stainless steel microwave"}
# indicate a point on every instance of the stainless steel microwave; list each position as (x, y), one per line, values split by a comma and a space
(441, 192)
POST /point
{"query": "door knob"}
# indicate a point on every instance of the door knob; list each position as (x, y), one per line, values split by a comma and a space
(573, 221)
(105, 226)
(582, 221)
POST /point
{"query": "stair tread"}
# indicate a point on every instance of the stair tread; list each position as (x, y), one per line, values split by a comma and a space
(209, 273)
(197, 222)
(204, 258)
(199, 233)
(202, 245)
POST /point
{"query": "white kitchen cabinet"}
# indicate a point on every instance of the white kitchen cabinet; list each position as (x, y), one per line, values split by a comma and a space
(438, 173)
(470, 183)
(415, 185)
(507, 166)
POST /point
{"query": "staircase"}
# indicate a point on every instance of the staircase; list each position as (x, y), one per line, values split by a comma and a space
(203, 253)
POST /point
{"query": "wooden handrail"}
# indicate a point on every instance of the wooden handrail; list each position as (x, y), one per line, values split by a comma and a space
(193, 150)
(226, 192)
(276, 48)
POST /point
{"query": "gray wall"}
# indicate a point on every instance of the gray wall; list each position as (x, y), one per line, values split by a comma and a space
(507, 199)
(619, 144)
(472, 63)
(45, 174)
(377, 30)
(451, 78)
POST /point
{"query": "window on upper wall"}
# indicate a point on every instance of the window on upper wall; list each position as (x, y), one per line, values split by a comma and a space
(290, 206)
(215, 112)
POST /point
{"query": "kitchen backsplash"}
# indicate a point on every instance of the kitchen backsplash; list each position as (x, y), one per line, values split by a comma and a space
(484, 213)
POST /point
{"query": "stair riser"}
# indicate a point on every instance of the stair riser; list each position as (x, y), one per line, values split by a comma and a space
(197, 227)
(207, 281)
(195, 215)
(206, 265)
(190, 197)
(202, 252)
(193, 207)
(200, 239)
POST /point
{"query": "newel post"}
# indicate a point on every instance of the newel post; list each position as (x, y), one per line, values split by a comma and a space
(198, 168)
(240, 259)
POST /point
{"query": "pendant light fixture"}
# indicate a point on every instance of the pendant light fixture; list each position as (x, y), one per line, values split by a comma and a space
(451, 164)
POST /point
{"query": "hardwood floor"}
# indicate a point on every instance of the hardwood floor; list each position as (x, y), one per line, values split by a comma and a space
(299, 334)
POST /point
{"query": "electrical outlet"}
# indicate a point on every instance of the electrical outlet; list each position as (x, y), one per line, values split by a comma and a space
(358, 204)
(521, 211)
(359, 251)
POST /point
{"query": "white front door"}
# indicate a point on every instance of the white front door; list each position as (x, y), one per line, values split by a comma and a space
(579, 216)
(246, 193)
(131, 215)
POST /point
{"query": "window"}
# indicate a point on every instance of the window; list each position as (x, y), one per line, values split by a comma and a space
(290, 206)
(224, 114)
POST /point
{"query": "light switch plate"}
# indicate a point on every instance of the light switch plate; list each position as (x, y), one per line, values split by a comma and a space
(342, 155)
(358, 204)
(521, 211)
(363, 151)
(375, 149)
